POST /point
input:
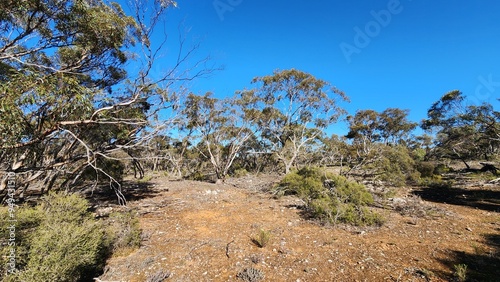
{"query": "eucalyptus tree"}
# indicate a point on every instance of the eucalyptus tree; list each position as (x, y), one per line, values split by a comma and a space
(395, 128)
(379, 144)
(463, 132)
(68, 100)
(291, 109)
(220, 127)
(390, 126)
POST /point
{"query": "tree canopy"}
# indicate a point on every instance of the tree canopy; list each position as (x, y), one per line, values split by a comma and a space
(68, 103)
(292, 108)
(463, 132)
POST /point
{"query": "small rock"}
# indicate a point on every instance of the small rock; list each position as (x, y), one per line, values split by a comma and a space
(468, 229)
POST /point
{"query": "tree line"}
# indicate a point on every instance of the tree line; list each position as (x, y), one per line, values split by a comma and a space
(280, 125)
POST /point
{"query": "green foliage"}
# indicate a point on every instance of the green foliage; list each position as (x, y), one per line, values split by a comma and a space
(464, 132)
(430, 172)
(426, 169)
(484, 176)
(28, 219)
(65, 242)
(67, 102)
(436, 181)
(199, 176)
(330, 197)
(460, 272)
(290, 109)
(240, 172)
(391, 164)
(396, 166)
(418, 154)
(379, 145)
(221, 126)
(60, 240)
(441, 169)
(262, 238)
(389, 127)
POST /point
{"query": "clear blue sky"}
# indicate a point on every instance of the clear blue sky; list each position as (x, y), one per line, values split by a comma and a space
(409, 54)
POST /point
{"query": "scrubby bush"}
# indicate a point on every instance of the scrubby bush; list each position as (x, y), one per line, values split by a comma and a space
(27, 220)
(460, 272)
(64, 244)
(124, 232)
(262, 238)
(240, 172)
(436, 181)
(396, 166)
(329, 197)
(418, 154)
(442, 169)
(60, 240)
(426, 169)
(392, 164)
(251, 275)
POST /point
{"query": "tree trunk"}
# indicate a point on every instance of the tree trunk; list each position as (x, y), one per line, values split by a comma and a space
(288, 166)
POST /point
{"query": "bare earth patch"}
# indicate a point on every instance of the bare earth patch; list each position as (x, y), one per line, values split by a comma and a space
(204, 232)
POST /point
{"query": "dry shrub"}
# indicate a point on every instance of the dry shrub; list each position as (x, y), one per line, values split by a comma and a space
(251, 275)
(414, 206)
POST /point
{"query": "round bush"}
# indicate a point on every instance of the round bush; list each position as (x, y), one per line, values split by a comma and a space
(329, 197)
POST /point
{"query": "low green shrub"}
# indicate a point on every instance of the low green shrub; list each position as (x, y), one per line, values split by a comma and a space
(145, 179)
(436, 181)
(197, 176)
(65, 242)
(460, 272)
(240, 172)
(426, 169)
(60, 240)
(262, 238)
(330, 197)
(418, 154)
(27, 220)
(442, 169)
(396, 166)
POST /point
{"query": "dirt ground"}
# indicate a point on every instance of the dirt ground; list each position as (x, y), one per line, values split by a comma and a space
(194, 231)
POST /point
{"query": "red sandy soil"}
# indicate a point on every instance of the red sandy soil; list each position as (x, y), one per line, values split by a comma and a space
(203, 232)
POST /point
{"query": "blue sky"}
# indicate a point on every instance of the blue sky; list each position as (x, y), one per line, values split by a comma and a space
(408, 53)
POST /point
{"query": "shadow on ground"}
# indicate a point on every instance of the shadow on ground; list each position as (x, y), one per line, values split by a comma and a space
(482, 265)
(488, 200)
(132, 190)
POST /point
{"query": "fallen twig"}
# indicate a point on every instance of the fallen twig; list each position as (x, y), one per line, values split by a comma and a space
(227, 248)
